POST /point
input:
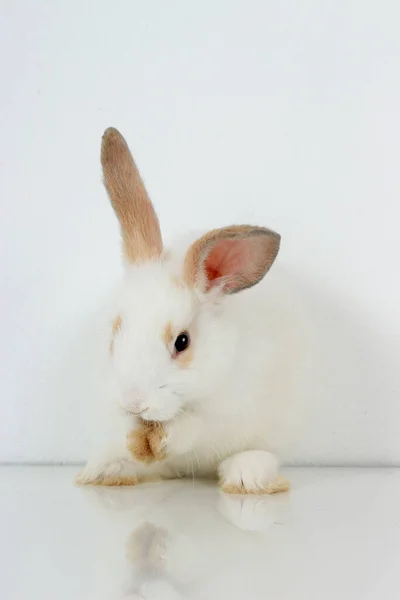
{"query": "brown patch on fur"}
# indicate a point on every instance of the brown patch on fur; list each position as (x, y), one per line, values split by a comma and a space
(140, 229)
(109, 481)
(117, 480)
(168, 333)
(184, 359)
(116, 327)
(194, 265)
(145, 443)
(275, 487)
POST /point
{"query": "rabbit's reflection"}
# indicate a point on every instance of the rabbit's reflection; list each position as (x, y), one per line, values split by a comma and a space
(188, 535)
(147, 553)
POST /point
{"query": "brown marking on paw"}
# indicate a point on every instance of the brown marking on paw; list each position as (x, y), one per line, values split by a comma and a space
(117, 480)
(280, 484)
(108, 481)
(145, 443)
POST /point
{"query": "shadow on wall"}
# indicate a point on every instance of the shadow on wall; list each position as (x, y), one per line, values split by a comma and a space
(357, 385)
(347, 406)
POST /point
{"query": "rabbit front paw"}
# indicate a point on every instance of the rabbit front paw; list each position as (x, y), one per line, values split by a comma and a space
(147, 442)
(109, 471)
(251, 472)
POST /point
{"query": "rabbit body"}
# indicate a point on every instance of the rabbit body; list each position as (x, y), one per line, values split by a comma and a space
(216, 370)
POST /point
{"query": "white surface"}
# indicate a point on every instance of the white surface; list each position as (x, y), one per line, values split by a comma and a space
(336, 535)
(278, 113)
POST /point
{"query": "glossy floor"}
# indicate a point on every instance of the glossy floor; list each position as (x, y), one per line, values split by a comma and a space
(336, 535)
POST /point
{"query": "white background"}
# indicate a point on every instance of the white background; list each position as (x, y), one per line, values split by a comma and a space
(279, 113)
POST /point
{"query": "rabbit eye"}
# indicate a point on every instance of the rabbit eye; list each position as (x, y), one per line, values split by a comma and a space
(182, 341)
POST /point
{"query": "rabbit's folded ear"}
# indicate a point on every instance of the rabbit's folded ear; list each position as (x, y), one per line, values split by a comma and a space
(140, 229)
(233, 258)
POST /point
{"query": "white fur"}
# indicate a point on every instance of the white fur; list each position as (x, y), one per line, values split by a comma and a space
(254, 470)
(238, 394)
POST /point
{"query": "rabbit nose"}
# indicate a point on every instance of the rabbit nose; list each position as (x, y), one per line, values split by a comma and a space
(136, 403)
(137, 408)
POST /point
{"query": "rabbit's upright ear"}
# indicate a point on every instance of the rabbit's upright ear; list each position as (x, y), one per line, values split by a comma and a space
(140, 229)
(233, 258)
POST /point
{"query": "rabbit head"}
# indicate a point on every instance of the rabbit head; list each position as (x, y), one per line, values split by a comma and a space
(172, 342)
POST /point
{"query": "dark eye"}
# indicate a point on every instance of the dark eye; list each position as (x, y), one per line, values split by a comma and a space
(182, 341)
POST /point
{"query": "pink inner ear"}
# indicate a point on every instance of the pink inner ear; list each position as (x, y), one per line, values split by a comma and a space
(228, 259)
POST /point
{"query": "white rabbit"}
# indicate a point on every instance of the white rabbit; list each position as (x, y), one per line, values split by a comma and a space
(193, 349)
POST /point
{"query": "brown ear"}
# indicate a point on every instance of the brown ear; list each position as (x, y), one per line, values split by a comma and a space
(233, 258)
(140, 229)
